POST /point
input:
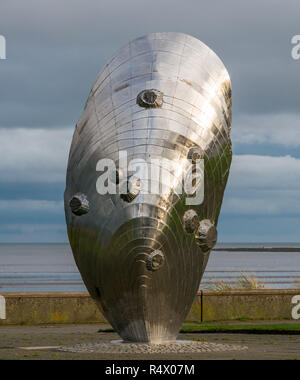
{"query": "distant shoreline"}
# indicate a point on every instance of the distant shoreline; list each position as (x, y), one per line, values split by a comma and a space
(257, 249)
(235, 247)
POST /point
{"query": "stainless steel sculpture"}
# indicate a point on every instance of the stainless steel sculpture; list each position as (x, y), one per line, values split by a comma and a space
(142, 256)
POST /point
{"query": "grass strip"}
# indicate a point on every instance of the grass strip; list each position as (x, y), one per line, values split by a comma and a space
(270, 328)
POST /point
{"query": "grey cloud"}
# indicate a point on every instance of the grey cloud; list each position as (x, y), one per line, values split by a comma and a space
(264, 173)
(37, 155)
(264, 203)
(33, 232)
(278, 129)
(34, 155)
(56, 49)
(258, 229)
(31, 206)
(262, 186)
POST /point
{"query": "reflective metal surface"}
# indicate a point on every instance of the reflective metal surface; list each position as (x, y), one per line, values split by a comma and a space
(142, 256)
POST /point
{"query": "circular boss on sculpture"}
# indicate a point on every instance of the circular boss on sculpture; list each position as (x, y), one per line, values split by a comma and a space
(191, 221)
(155, 260)
(150, 98)
(207, 235)
(79, 204)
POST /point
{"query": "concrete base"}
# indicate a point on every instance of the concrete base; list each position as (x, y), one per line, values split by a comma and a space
(176, 341)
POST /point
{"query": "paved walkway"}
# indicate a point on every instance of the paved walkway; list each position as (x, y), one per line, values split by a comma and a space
(43, 343)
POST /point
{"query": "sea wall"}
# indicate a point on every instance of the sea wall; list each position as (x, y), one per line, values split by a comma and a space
(49, 308)
(243, 305)
(79, 308)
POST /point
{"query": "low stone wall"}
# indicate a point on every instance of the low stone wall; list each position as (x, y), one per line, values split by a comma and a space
(49, 308)
(239, 305)
(79, 308)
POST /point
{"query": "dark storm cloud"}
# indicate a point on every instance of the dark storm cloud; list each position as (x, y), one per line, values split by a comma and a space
(55, 50)
(33, 190)
(258, 229)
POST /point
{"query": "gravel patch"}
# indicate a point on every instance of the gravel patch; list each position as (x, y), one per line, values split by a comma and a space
(144, 348)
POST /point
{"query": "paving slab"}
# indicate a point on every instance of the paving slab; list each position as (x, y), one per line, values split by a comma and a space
(45, 342)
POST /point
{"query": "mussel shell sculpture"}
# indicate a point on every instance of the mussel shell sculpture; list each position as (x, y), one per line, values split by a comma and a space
(142, 256)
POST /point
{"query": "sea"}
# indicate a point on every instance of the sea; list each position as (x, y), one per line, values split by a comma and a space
(51, 267)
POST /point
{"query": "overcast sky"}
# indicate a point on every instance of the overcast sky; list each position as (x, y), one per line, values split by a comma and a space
(55, 50)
